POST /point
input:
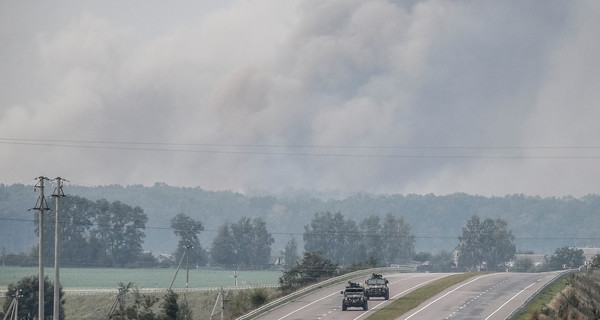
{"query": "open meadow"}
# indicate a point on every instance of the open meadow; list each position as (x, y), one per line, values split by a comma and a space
(100, 286)
(109, 278)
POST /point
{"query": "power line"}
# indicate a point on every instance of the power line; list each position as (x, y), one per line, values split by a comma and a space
(290, 146)
(338, 232)
(251, 149)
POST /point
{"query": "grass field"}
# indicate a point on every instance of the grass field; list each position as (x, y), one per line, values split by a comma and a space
(78, 278)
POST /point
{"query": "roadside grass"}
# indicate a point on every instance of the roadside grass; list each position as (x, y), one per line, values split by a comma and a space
(97, 306)
(536, 306)
(418, 296)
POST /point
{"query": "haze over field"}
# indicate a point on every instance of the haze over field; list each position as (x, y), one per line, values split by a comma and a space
(432, 96)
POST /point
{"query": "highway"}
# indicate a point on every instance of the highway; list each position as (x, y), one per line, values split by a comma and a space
(489, 296)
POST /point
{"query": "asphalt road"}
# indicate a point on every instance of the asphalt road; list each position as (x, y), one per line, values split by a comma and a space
(326, 304)
(487, 297)
(490, 296)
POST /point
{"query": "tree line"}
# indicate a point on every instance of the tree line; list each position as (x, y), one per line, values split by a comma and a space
(111, 234)
(540, 224)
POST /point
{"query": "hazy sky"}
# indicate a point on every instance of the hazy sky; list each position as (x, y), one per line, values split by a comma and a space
(433, 96)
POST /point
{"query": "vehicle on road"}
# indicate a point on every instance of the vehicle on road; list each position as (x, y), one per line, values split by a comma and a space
(377, 286)
(354, 296)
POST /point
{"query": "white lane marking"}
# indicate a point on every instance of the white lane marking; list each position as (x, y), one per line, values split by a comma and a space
(287, 315)
(325, 297)
(477, 297)
(447, 293)
(510, 300)
(399, 294)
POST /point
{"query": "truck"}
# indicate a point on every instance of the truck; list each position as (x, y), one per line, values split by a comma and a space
(354, 296)
(377, 286)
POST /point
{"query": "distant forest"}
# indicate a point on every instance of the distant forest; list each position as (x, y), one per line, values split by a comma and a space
(539, 225)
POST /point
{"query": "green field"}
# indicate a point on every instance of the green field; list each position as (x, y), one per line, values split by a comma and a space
(77, 278)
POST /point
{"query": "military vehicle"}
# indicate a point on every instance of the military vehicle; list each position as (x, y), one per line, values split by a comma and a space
(377, 287)
(354, 296)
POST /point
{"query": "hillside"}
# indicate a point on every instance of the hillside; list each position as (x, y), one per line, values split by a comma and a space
(580, 299)
(539, 224)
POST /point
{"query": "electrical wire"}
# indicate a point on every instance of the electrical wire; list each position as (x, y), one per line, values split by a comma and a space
(281, 150)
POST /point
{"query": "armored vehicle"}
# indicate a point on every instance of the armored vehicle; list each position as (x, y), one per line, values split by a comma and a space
(377, 287)
(354, 296)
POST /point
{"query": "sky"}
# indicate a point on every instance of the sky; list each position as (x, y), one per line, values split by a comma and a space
(396, 97)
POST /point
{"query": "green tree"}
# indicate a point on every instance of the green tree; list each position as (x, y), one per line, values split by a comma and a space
(222, 250)
(523, 265)
(119, 229)
(488, 241)
(140, 309)
(370, 229)
(312, 268)
(566, 257)
(398, 242)
(422, 256)
(595, 264)
(170, 306)
(291, 253)
(442, 262)
(261, 243)
(252, 241)
(187, 230)
(76, 215)
(27, 289)
(334, 236)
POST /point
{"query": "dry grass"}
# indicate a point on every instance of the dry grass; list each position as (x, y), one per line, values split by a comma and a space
(576, 296)
(96, 307)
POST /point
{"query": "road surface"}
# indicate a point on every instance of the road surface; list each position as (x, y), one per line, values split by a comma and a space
(485, 297)
(326, 304)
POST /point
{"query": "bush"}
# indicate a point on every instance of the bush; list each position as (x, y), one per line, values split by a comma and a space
(28, 288)
(258, 297)
(311, 269)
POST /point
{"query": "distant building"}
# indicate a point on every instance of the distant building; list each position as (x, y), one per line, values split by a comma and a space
(163, 258)
(590, 253)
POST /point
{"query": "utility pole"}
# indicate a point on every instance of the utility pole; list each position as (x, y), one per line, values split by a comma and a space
(41, 206)
(179, 265)
(187, 262)
(222, 304)
(13, 308)
(57, 194)
(222, 296)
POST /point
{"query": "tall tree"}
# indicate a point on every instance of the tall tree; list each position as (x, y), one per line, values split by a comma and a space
(372, 242)
(120, 231)
(75, 221)
(252, 242)
(334, 236)
(290, 254)
(566, 257)
(488, 241)
(222, 250)
(262, 241)
(243, 235)
(245, 243)
(187, 230)
(442, 262)
(398, 242)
